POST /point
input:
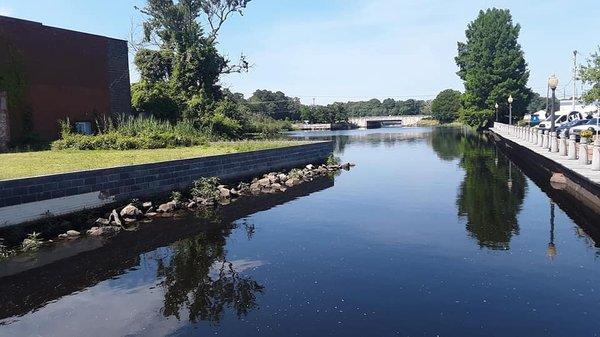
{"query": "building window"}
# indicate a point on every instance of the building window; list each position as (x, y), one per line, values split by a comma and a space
(83, 127)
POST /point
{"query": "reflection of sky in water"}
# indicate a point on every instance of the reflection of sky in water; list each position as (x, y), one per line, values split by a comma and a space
(422, 237)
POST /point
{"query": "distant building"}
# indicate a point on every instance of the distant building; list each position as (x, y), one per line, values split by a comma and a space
(48, 74)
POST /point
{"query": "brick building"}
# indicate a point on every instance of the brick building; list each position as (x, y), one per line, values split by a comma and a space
(48, 74)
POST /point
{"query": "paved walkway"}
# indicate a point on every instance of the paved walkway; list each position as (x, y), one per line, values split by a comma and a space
(573, 165)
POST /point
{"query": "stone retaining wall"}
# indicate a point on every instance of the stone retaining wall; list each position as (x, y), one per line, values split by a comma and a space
(29, 199)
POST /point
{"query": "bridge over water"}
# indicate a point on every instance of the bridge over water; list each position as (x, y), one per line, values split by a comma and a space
(371, 122)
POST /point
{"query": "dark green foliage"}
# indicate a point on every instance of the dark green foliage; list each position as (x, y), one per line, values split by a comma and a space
(205, 188)
(475, 118)
(154, 99)
(275, 105)
(387, 107)
(266, 127)
(492, 65)
(332, 113)
(590, 74)
(445, 106)
(539, 103)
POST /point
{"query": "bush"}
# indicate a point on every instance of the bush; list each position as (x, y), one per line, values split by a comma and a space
(221, 126)
(128, 132)
(205, 188)
(266, 127)
(446, 105)
(478, 119)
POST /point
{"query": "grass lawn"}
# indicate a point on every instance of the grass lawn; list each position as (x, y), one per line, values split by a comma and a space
(29, 164)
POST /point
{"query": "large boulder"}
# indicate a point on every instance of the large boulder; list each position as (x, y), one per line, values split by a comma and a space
(73, 233)
(105, 230)
(102, 222)
(264, 182)
(224, 192)
(167, 207)
(114, 218)
(131, 212)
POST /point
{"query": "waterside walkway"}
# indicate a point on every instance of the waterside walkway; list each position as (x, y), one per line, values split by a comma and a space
(581, 158)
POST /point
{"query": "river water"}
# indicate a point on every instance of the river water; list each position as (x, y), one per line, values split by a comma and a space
(434, 232)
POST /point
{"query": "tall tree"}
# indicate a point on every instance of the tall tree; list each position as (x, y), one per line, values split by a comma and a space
(492, 65)
(179, 53)
(445, 106)
(591, 75)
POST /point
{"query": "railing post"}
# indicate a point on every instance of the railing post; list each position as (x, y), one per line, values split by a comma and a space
(572, 150)
(540, 142)
(583, 151)
(596, 155)
(562, 145)
(553, 142)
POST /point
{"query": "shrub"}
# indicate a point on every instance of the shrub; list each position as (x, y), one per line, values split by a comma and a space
(478, 119)
(205, 188)
(221, 126)
(176, 196)
(32, 242)
(128, 132)
(265, 126)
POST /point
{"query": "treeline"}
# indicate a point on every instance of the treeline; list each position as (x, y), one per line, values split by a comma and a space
(279, 106)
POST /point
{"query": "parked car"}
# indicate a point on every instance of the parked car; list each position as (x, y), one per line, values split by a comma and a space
(591, 125)
(564, 128)
(560, 119)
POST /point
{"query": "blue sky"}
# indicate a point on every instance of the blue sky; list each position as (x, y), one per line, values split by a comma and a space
(340, 50)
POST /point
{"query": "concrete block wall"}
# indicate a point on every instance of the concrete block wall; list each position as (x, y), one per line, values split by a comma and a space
(32, 198)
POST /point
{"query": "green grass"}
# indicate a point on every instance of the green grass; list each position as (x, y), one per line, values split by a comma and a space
(29, 164)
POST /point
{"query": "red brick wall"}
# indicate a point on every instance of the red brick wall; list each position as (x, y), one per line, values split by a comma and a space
(66, 74)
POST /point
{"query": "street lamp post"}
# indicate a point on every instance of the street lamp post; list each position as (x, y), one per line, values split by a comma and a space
(552, 83)
(510, 100)
(496, 106)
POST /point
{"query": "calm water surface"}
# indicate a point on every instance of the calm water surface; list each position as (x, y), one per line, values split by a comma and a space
(434, 232)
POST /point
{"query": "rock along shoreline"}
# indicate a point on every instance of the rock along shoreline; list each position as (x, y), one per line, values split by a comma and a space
(206, 194)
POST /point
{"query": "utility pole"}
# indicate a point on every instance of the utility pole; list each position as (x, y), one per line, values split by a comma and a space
(574, 78)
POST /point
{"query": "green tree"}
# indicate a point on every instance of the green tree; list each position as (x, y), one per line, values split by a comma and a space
(275, 105)
(539, 103)
(591, 74)
(183, 60)
(445, 106)
(492, 65)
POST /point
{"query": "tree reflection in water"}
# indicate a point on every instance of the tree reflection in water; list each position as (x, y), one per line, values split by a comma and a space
(492, 192)
(198, 278)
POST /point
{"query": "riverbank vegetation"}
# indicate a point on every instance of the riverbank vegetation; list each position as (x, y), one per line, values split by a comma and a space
(28, 164)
